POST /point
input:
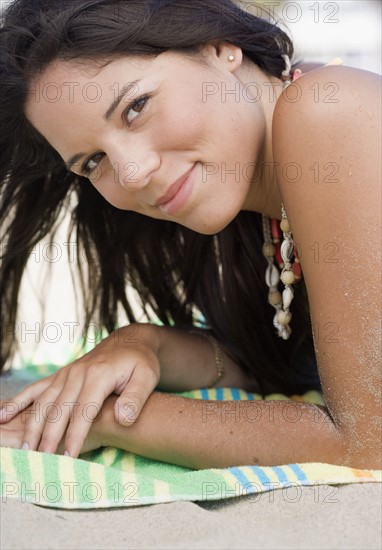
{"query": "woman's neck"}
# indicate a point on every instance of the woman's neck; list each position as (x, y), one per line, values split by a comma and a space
(264, 195)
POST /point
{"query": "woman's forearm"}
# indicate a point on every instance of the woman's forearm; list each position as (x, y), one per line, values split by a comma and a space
(210, 434)
(187, 360)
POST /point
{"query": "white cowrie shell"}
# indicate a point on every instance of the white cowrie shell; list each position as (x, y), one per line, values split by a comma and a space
(284, 317)
(276, 324)
(288, 296)
(272, 276)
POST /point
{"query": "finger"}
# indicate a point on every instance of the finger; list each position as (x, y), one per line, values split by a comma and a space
(10, 438)
(36, 416)
(129, 405)
(97, 387)
(82, 418)
(60, 414)
(57, 421)
(11, 407)
(44, 408)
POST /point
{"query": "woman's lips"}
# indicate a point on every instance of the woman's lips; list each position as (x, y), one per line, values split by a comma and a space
(178, 194)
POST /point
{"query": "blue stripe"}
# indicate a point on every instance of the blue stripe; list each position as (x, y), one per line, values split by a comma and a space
(261, 475)
(240, 476)
(280, 474)
(235, 394)
(299, 473)
(219, 394)
(205, 394)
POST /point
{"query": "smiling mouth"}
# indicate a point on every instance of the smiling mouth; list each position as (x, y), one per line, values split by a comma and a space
(173, 189)
(178, 194)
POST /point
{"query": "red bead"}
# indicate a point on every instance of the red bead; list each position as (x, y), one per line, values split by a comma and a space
(278, 256)
(296, 268)
(275, 229)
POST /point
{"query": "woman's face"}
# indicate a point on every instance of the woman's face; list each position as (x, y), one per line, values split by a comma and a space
(178, 120)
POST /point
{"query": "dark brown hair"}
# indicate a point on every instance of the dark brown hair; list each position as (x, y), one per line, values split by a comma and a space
(174, 270)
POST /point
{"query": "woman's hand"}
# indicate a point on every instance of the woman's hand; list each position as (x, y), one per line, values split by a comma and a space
(12, 434)
(66, 403)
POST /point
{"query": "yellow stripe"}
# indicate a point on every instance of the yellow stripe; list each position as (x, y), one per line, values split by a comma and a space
(7, 462)
(233, 484)
(98, 492)
(269, 472)
(108, 456)
(227, 394)
(291, 474)
(67, 475)
(128, 467)
(276, 397)
(37, 478)
(9, 472)
(162, 491)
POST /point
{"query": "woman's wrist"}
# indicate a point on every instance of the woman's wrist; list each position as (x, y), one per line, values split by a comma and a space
(141, 333)
(110, 433)
(189, 359)
(105, 424)
(219, 361)
(193, 359)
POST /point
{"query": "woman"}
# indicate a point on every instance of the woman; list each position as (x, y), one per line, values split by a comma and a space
(123, 105)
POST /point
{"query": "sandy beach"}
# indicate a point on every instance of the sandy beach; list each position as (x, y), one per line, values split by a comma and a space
(323, 517)
(317, 517)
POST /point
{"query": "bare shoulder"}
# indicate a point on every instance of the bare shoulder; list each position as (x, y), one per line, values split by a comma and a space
(330, 116)
(327, 92)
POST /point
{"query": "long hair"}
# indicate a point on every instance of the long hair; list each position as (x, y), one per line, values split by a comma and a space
(174, 270)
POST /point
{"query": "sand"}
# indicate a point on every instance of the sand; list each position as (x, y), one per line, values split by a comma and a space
(352, 519)
(322, 517)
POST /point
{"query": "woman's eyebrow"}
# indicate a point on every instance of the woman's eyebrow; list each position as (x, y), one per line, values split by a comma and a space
(130, 87)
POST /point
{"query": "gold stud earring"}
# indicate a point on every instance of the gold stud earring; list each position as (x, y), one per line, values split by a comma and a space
(231, 58)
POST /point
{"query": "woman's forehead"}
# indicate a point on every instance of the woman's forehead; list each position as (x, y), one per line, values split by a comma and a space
(91, 68)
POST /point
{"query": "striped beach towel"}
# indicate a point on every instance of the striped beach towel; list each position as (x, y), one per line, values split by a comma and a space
(110, 477)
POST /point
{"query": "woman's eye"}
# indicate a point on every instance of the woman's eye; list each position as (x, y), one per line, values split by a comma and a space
(135, 108)
(92, 164)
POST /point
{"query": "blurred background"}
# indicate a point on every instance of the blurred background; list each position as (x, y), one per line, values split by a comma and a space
(321, 31)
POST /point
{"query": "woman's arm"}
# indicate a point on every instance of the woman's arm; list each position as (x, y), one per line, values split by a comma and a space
(187, 361)
(131, 362)
(217, 434)
(327, 129)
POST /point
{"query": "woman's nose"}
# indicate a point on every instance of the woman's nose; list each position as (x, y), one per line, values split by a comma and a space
(133, 166)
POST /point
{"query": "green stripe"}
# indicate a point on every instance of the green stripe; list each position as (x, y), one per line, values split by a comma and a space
(113, 482)
(20, 461)
(54, 492)
(81, 473)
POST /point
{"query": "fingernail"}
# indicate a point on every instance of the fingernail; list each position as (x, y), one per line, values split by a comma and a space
(25, 446)
(66, 453)
(129, 413)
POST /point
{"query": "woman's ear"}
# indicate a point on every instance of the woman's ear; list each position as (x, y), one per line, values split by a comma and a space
(226, 53)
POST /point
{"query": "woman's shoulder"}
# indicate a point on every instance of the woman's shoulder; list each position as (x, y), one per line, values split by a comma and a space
(337, 73)
(326, 101)
(325, 91)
